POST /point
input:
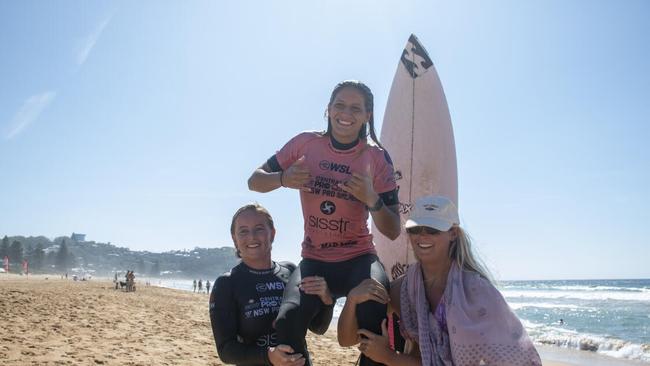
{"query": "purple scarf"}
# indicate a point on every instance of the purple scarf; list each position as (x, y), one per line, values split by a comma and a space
(482, 330)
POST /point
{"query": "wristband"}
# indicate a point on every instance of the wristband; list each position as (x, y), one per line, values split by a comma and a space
(377, 206)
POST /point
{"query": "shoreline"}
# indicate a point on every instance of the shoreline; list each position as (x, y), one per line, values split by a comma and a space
(58, 321)
(552, 355)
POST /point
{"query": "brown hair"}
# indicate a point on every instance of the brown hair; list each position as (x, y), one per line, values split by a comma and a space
(369, 105)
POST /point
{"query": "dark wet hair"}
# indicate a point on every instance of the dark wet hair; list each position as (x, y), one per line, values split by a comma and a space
(253, 207)
(369, 105)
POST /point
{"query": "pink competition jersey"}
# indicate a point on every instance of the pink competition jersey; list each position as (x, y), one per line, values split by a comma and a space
(336, 223)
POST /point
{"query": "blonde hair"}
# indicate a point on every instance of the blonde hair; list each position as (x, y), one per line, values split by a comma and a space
(463, 254)
(256, 207)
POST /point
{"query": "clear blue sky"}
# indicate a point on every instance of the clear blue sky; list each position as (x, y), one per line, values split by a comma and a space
(138, 123)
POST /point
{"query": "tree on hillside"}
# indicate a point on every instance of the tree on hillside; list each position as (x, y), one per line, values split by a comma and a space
(38, 257)
(4, 247)
(28, 253)
(141, 266)
(63, 257)
(155, 268)
(16, 252)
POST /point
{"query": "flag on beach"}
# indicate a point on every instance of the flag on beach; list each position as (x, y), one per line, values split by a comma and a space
(25, 266)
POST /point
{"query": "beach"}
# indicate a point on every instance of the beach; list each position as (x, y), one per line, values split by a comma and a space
(47, 320)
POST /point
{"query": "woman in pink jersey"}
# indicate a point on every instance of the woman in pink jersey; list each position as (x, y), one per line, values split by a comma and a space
(343, 176)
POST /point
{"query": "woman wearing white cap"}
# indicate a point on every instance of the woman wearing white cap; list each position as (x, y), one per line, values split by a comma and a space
(449, 309)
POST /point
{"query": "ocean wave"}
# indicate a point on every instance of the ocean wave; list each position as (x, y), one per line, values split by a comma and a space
(595, 295)
(600, 288)
(546, 305)
(567, 338)
(557, 287)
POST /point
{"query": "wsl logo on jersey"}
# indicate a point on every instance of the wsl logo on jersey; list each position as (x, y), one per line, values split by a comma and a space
(334, 167)
(269, 286)
(327, 207)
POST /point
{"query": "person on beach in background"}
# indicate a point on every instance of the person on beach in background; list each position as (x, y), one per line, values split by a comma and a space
(448, 306)
(194, 286)
(245, 301)
(200, 285)
(130, 281)
(207, 287)
(343, 176)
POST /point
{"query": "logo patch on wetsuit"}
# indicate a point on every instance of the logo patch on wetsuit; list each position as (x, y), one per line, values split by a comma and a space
(268, 286)
(267, 340)
(327, 207)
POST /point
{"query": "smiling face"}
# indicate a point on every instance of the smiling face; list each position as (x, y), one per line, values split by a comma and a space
(253, 237)
(347, 114)
(432, 248)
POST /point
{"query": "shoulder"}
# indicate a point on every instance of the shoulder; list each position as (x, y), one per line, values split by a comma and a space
(307, 136)
(297, 144)
(228, 277)
(224, 278)
(380, 155)
(481, 286)
(223, 286)
(473, 277)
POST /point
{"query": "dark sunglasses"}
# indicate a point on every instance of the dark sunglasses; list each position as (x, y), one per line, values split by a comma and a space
(417, 230)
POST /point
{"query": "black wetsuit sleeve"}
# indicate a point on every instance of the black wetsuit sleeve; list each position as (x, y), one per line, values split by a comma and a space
(273, 164)
(321, 321)
(223, 316)
(390, 198)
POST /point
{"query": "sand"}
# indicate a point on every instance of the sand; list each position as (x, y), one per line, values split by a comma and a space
(64, 322)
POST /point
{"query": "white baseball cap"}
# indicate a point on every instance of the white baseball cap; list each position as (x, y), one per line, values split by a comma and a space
(437, 212)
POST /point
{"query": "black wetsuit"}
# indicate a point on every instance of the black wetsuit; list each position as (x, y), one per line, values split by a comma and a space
(299, 309)
(243, 306)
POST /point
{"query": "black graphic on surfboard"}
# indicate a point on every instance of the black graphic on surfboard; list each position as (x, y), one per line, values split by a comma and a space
(405, 208)
(398, 269)
(415, 58)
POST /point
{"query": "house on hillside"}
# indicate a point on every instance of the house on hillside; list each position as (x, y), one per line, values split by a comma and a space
(79, 238)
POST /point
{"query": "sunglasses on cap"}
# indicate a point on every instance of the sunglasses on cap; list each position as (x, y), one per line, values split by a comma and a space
(417, 230)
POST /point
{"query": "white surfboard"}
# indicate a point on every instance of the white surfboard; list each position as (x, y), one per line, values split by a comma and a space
(418, 135)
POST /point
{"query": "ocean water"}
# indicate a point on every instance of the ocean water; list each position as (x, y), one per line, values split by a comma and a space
(609, 317)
